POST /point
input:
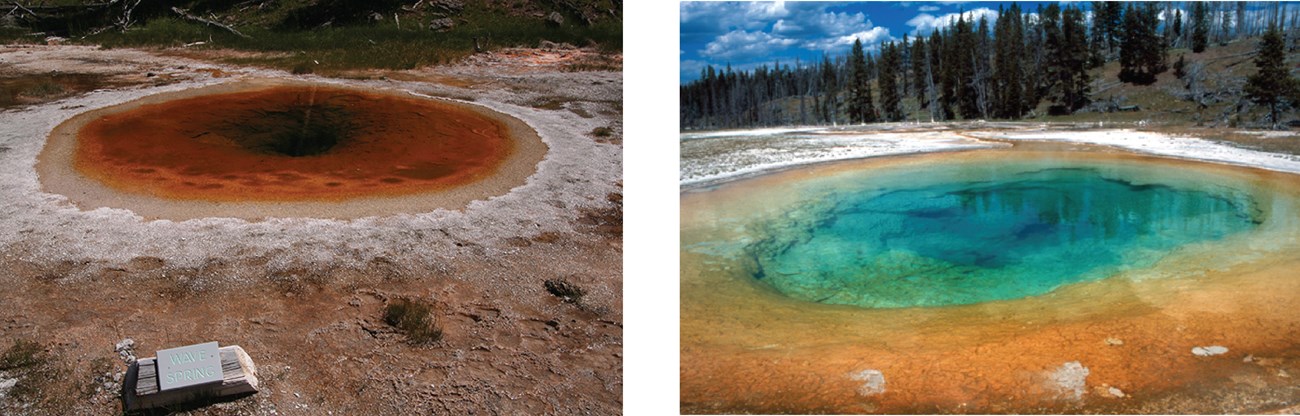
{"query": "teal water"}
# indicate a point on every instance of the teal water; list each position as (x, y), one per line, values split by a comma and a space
(987, 234)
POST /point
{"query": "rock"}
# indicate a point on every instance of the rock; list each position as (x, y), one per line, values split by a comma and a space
(54, 40)
(555, 18)
(1070, 379)
(442, 25)
(126, 351)
(1210, 350)
(873, 382)
(548, 45)
(6, 384)
(1115, 392)
(450, 6)
(1114, 341)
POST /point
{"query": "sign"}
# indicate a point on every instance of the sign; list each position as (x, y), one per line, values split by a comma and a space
(189, 365)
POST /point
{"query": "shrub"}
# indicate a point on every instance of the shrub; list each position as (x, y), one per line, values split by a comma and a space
(415, 319)
(22, 354)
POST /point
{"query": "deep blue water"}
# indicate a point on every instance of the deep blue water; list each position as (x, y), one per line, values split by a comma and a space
(992, 235)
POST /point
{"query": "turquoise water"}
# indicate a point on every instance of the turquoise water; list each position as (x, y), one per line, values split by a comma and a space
(985, 234)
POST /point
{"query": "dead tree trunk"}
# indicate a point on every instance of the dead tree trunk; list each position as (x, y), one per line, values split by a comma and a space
(209, 22)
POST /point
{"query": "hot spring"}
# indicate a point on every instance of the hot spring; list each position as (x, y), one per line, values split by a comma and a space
(1004, 280)
(961, 234)
(252, 149)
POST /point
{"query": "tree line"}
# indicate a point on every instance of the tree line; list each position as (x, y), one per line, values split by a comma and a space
(969, 70)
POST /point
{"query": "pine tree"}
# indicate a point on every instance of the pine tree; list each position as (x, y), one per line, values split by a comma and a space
(904, 66)
(1273, 85)
(963, 59)
(1142, 54)
(890, 67)
(1107, 24)
(942, 73)
(1073, 60)
(1178, 26)
(830, 92)
(1034, 62)
(919, 57)
(982, 80)
(1008, 78)
(1097, 37)
(1201, 30)
(861, 109)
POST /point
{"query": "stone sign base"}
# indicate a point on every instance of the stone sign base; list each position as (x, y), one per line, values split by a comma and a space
(140, 390)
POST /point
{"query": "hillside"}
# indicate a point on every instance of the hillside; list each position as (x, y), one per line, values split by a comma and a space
(329, 35)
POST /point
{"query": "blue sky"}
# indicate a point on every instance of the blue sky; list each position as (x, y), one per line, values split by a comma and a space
(747, 34)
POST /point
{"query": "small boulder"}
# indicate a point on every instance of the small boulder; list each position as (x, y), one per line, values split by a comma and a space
(449, 6)
(126, 350)
(442, 25)
(555, 18)
(7, 384)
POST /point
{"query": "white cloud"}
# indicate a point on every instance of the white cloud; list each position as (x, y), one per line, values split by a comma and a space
(690, 69)
(870, 38)
(741, 44)
(928, 8)
(782, 26)
(836, 24)
(924, 23)
(731, 15)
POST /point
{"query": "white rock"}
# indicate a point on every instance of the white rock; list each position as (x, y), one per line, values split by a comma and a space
(5, 385)
(1210, 350)
(1115, 392)
(874, 381)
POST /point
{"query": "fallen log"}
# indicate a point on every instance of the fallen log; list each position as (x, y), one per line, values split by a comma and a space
(189, 16)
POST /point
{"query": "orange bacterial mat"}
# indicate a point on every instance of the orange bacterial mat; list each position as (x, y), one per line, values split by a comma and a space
(287, 143)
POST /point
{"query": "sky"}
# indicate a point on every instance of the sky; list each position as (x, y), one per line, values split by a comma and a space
(748, 34)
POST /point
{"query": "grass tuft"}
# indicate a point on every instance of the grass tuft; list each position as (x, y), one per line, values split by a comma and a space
(415, 319)
(22, 354)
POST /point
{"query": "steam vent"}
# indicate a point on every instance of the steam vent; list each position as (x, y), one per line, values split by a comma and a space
(260, 149)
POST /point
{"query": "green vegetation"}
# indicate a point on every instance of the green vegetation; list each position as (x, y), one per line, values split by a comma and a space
(1273, 85)
(21, 355)
(414, 318)
(315, 35)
